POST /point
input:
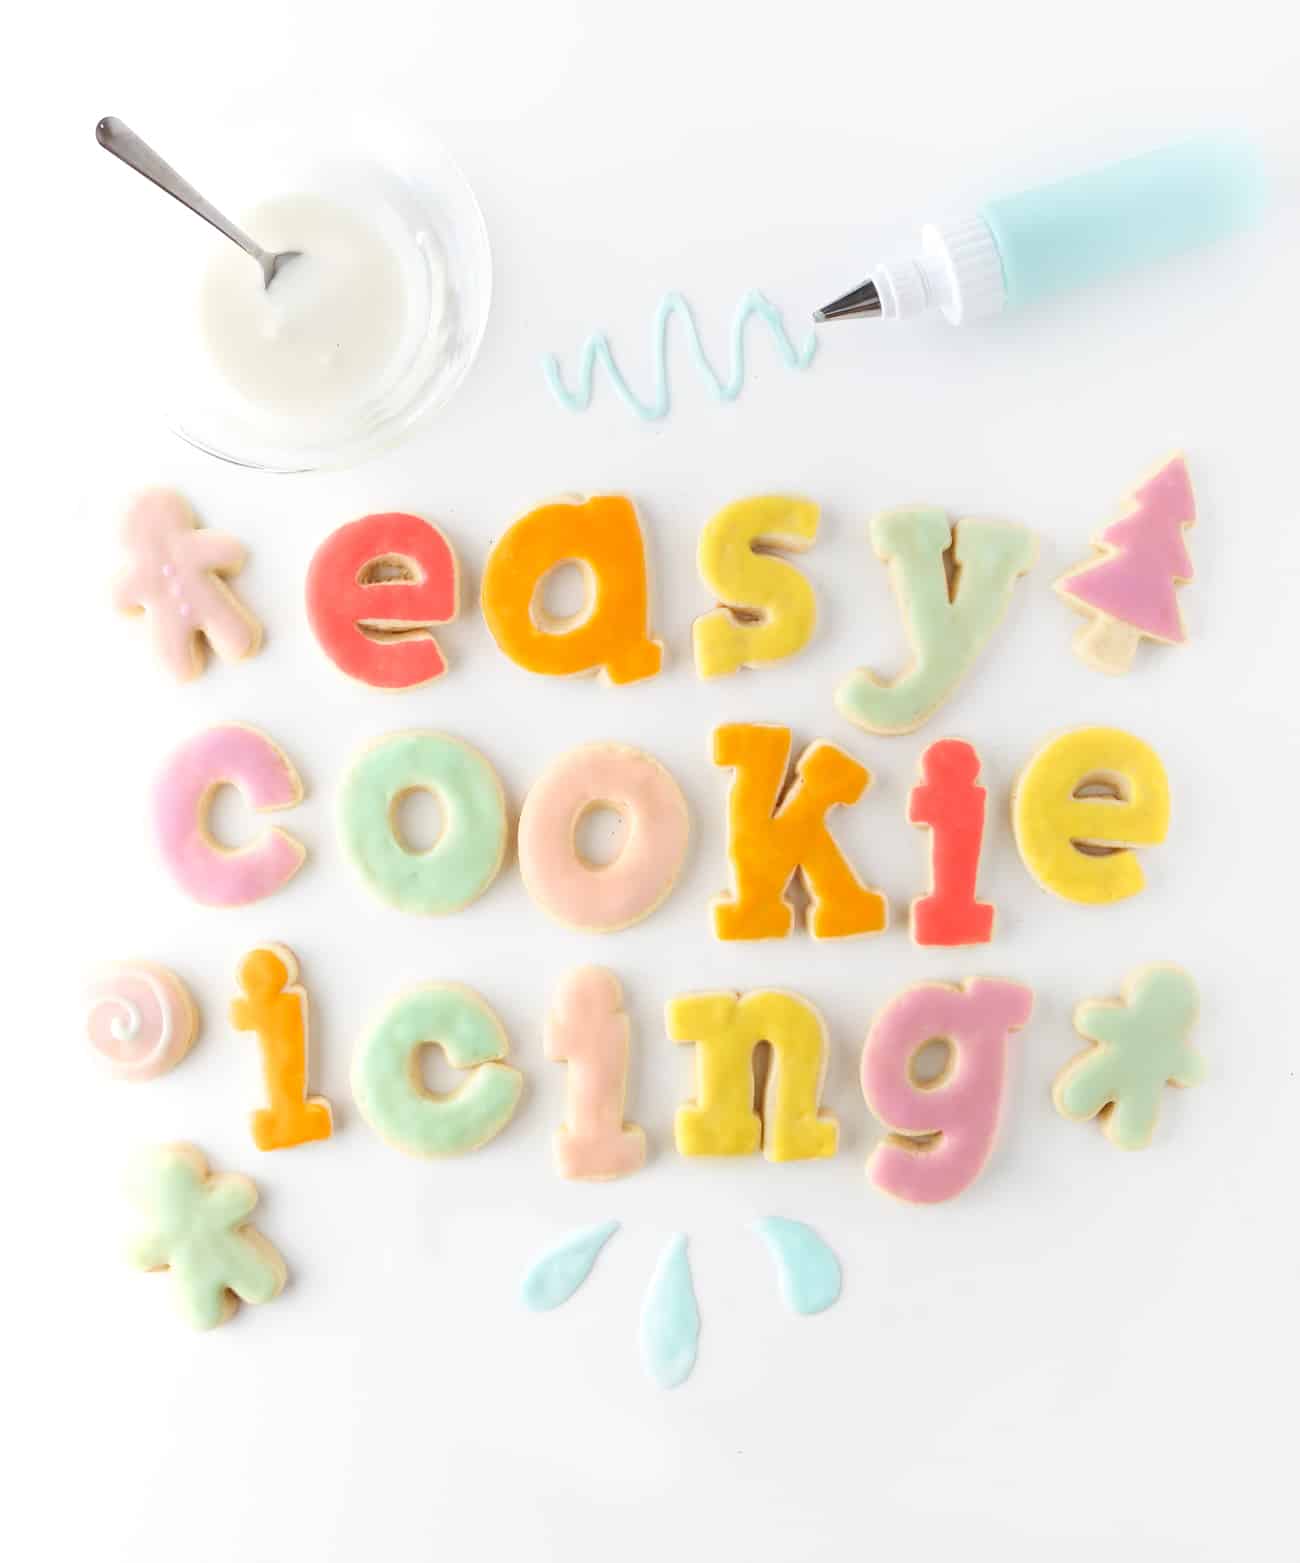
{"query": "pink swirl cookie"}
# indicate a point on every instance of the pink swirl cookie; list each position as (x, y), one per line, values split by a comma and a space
(142, 1018)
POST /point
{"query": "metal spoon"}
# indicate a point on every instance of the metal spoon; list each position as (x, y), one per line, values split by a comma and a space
(117, 138)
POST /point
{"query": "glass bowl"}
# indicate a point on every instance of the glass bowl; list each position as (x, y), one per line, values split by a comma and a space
(399, 175)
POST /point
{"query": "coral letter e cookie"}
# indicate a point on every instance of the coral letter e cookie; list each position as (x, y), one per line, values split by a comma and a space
(1140, 1047)
(768, 609)
(941, 1130)
(1082, 800)
(1131, 590)
(177, 579)
(611, 633)
(275, 1007)
(194, 1223)
(374, 588)
(770, 837)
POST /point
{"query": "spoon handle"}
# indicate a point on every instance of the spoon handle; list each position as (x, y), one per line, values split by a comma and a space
(122, 142)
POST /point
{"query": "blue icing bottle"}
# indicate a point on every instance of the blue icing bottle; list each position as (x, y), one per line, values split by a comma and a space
(1022, 248)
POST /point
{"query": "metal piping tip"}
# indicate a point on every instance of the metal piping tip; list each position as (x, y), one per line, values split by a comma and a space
(863, 303)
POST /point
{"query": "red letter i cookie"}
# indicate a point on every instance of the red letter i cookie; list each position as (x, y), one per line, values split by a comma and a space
(949, 801)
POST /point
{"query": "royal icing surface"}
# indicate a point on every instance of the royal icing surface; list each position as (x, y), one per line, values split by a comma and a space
(194, 1223)
(376, 628)
(941, 1132)
(275, 1007)
(777, 601)
(670, 1318)
(612, 634)
(464, 860)
(726, 1028)
(603, 897)
(560, 1271)
(1055, 826)
(142, 1018)
(770, 837)
(587, 1028)
(948, 800)
(807, 1270)
(211, 873)
(1130, 592)
(176, 578)
(391, 1095)
(946, 628)
(1140, 1045)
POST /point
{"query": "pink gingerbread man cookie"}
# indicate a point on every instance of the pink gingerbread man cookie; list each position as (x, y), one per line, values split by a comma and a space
(177, 578)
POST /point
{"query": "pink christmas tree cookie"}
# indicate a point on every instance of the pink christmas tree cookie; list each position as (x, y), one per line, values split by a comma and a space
(1131, 591)
(176, 578)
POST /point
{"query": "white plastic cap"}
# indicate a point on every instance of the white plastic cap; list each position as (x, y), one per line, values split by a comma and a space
(958, 271)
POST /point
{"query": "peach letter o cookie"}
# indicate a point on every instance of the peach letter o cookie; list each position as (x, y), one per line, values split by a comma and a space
(603, 898)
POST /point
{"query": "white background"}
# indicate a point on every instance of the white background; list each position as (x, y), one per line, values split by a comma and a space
(1088, 1354)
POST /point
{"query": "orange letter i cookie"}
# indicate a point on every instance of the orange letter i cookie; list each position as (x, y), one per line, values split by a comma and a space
(275, 1007)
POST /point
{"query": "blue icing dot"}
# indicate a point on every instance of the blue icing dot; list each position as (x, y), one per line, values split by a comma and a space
(670, 1319)
(561, 1270)
(809, 1272)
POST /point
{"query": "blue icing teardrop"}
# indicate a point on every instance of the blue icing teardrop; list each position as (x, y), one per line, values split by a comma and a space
(809, 1272)
(670, 1319)
(561, 1270)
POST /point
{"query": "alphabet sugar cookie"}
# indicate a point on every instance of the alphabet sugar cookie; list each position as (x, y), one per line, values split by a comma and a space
(391, 1095)
(142, 1018)
(206, 870)
(195, 1224)
(178, 579)
(275, 1007)
(1081, 803)
(1130, 593)
(726, 1028)
(468, 854)
(375, 589)
(947, 626)
(774, 833)
(941, 1130)
(587, 1028)
(603, 898)
(611, 635)
(1140, 1045)
(949, 802)
(767, 609)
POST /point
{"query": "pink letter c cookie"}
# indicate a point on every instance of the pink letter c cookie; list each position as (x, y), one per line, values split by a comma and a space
(211, 873)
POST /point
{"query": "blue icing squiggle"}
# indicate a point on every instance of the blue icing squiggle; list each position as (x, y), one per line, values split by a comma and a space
(561, 1270)
(596, 350)
(809, 1272)
(670, 1319)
